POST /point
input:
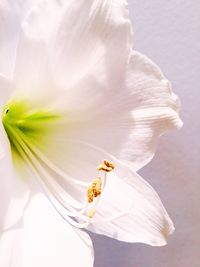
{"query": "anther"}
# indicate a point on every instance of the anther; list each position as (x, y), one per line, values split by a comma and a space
(109, 164)
(106, 166)
(90, 194)
(96, 186)
(94, 190)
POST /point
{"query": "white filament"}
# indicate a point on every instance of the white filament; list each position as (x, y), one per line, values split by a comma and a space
(69, 208)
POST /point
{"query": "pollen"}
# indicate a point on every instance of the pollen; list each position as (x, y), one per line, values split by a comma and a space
(94, 190)
(106, 166)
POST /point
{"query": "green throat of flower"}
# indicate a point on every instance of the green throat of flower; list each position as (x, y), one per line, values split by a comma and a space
(26, 124)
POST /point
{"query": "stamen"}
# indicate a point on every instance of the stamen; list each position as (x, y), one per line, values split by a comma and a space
(50, 163)
(94, 190)
(106, 166)
(69, 198)
(76, 213)
(37, 169)
(97, 187)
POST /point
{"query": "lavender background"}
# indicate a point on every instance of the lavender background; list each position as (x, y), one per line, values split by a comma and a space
(169, 33)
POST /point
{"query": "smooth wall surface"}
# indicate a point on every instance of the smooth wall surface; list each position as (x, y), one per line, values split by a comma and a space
(169, 33)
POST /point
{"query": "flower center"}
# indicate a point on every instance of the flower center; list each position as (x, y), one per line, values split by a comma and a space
(21, 119)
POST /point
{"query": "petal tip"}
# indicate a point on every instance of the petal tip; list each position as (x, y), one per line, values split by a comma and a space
(167, 230)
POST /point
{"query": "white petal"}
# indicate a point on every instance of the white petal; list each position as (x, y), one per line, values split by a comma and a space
(155, 109)
(13, 189)
(134, 210)
(76, 36)
(125, 121)
(145, 219)
(9, 30)
(10, 248)
(32, 67)
(6, 90)
(11, 14)
(45, 240)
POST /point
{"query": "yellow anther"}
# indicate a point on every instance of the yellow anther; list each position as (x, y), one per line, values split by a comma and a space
(94, 190)
(103, 167)
(90, 195)
(96, 186)
(109, 164)
(106, 166)
(91, 213)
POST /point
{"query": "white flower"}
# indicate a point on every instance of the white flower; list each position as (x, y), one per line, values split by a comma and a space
(74, 93)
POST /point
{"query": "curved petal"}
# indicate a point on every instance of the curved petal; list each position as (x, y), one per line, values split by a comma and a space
(76, 36)
(136, 212)
(45, 240)
(125, 122)
(155, 109)
(131, 211)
